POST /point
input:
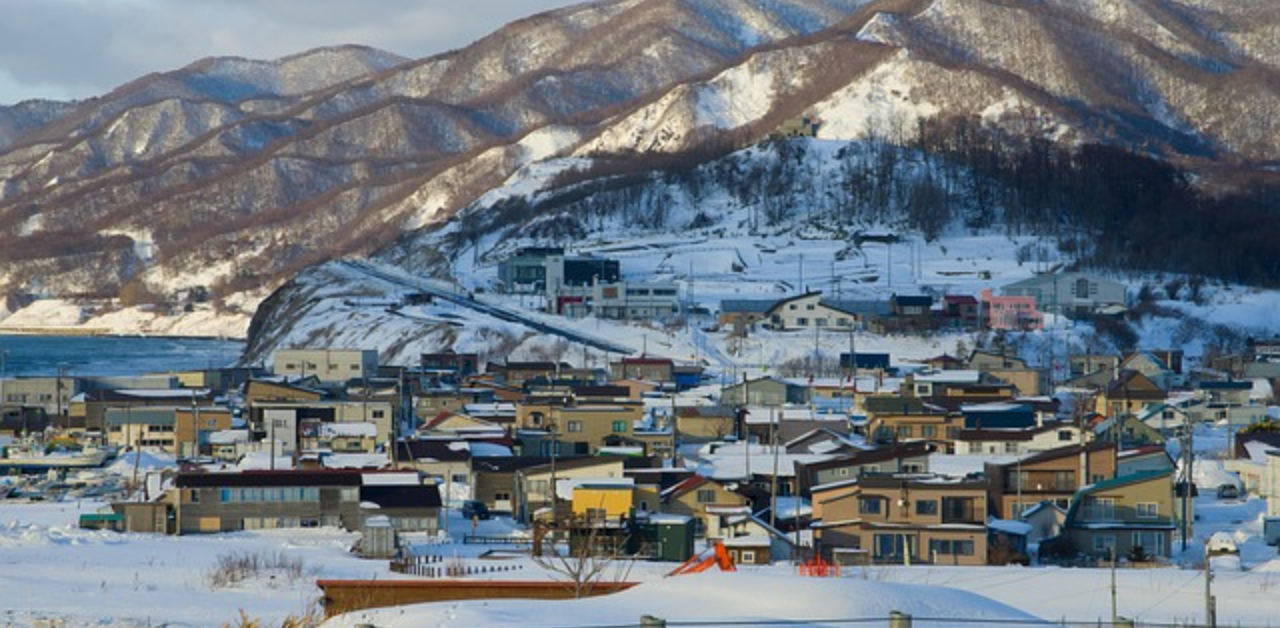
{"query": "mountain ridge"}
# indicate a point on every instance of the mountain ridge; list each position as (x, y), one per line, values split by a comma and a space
(259, 188)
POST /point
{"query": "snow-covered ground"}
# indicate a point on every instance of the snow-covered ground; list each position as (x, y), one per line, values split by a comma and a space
(49, 568)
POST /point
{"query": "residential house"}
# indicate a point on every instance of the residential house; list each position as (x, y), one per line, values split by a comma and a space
(458, 426)
(326, 365)
(907, 313)
(1011, 312)
(1022, 441)
(450, 365)
(1085, 363)
(410, 505)
(1167, 419)
(1141, 459)
(582, 428)
(515, 374)
(225, 502)
(19, 421)
(1054, 475)
(537, 488)
(1129, 516)
(765, 391)
(704, 500)
(705, 423)
(904, 457)
(1046, 520)
(493, 479)
(742, 315)
(983, 361)
(89, 409)
(643, 367)
(1072, 294)
(809, 311)
(904, 519)
(1128, 394)
(1128, 432)
(960, 311)
(1162, 367)
(634, 301)
(181, 431)
(896, 419)
(285, 421)
(750, 540)
(432, 403)
(51, 394)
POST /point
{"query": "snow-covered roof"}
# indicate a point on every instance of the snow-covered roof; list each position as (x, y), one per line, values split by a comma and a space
(356, 461)
(398, 478)
(566, 486)
(352, 430)
(228, 437)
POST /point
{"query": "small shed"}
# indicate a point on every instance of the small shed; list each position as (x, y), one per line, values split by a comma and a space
(379, 538)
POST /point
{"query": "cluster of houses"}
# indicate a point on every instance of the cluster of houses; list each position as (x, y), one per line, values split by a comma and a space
(1021, 307)
(581, 285)
(578, 285)
(953, 460)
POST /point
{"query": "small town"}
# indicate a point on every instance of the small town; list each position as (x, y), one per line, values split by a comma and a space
(955, 460)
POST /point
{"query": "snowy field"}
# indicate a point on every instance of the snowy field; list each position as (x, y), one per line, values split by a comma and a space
(49, 568)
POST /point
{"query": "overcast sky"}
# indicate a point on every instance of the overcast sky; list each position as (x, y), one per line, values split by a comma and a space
(66, 49)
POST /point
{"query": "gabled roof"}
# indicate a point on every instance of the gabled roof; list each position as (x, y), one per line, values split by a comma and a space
(782, 302)
(1107, 485)
(747, 306)
(1060, 452)
(917, 300)
(418, 496)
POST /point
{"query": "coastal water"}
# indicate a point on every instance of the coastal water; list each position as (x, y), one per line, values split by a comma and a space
(112, 355)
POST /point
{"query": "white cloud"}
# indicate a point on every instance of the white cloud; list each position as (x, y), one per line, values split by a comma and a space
(80, 48)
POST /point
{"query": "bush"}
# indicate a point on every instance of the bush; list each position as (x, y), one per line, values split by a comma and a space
(1058, 548)
(236, 567)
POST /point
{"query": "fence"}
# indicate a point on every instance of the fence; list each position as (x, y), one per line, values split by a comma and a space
(432, 566)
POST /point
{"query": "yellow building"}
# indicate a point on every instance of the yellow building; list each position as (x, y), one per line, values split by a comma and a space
(600, 501)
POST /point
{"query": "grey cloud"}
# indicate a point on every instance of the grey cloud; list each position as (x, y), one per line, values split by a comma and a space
(79, 48)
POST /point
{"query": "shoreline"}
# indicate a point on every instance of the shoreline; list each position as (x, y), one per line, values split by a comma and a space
(102, 332)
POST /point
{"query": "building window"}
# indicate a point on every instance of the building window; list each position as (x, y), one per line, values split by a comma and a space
(975, 448)
(927, 507)
(706, 496)
(802, 321)
(619, 427)
(575, 426)
(1011, 448)
(903, 431)
(869, 505)
(1148, 510)
(748, 557)
(1104, 544)
(1064, 436)
(1099, 508)
(929, 431)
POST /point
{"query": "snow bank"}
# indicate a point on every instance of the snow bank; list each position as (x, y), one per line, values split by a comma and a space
(730, 597)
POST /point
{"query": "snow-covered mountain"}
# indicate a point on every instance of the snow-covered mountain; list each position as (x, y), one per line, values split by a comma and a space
(228, 177)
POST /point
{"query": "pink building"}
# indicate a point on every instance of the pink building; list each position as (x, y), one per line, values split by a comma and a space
(1012, 312)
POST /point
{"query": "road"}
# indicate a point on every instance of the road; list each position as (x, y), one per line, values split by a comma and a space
(441, 290)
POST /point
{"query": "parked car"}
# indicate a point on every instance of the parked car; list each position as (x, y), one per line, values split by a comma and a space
(1221, 543)
(1228, 491)
(475, 509)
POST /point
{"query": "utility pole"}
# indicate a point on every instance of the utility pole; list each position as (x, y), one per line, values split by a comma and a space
(1115, 615)
(1188, 460)
(1210, 604)
(773, 483)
